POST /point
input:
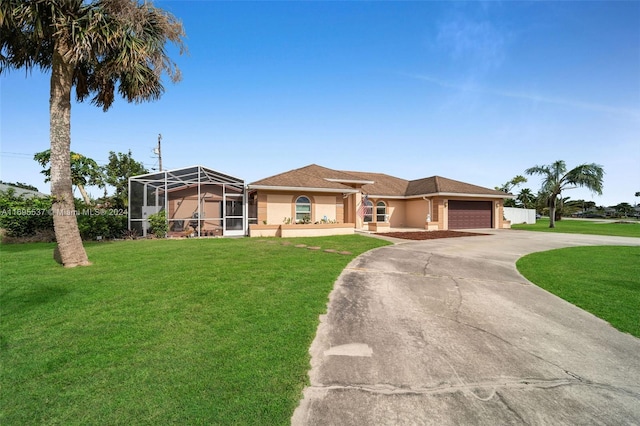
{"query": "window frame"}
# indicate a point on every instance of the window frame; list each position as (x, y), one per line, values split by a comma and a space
(298, 204)
(383, 205)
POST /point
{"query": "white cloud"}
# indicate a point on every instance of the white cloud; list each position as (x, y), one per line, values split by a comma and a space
(533, 97)
(477, 42)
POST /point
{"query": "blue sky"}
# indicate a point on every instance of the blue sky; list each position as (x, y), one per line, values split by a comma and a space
(473, 91)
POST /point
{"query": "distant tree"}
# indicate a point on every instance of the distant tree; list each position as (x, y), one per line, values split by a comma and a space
(21, 185)
(84, 171)
(99, 47)
(117, 173)
(508, 186)
(624, 209)
(556, 178)
(526, 198)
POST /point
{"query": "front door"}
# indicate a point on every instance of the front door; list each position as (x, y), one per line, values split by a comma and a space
(233, 215)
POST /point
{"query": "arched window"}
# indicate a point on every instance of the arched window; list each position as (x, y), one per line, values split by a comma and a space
(303, 210)
(381, 211)
(368, 210)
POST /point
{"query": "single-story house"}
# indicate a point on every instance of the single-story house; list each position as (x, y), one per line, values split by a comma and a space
(316, 200)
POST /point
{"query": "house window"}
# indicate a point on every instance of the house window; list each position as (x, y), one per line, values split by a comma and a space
(368, 210)
(303, 210)
(381, 212)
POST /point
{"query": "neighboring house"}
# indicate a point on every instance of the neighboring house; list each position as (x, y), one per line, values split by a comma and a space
(334, 201)
(27, 193)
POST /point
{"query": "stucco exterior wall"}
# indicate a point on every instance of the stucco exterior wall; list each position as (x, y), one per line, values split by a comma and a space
(309, 230)
(324, 206)
(184, 203)
(276, 208)
(396, 209)
(416, 213)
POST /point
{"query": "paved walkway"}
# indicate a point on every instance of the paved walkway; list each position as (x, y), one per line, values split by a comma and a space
(447, 332)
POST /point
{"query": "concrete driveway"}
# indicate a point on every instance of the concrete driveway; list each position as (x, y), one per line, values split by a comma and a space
(447, 332)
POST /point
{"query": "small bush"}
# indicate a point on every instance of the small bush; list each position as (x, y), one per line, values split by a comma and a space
(158, 225)
(104, 223)
(24, 217)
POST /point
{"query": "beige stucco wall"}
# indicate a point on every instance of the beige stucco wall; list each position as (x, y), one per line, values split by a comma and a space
(324, 206)
(416, 213)
(183, 203)
(309, 230)
(274, 207)
(396, 209)
(278, 208)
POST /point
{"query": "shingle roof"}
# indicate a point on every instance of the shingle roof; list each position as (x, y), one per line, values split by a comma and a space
(311, 176)
(314, 176)
(439, 184)
(383, 184)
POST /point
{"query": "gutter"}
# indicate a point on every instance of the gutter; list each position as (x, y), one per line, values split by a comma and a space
(304, 189)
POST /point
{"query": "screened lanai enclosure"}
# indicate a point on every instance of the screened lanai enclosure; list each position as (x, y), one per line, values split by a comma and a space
(198, 201)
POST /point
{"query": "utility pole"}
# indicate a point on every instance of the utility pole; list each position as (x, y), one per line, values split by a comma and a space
(159, 153)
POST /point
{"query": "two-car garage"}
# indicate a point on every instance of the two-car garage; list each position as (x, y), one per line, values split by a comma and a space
(470, 214)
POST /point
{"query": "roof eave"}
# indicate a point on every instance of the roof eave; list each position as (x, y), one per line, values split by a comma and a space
(303, 189)
(460, 194)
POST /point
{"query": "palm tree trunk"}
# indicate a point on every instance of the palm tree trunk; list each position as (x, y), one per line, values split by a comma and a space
(552, 211)
(69, 250)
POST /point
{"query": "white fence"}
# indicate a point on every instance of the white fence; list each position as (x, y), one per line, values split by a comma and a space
(516, 215)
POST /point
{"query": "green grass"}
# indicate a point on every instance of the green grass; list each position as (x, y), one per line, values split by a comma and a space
(211, 331)
(584, 227)
(602, 280)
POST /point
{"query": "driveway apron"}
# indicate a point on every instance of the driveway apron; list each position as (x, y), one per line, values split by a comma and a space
(447, 332)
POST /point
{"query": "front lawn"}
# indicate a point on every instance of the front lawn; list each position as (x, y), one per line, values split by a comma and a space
(199, 331)
(622, 229)
(602, 280)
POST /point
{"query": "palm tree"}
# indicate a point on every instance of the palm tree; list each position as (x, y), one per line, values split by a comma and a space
(556, 178)
(526, 197)
(95, 46)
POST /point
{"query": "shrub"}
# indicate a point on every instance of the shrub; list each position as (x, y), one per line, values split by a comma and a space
(24, 217)
(158, 225)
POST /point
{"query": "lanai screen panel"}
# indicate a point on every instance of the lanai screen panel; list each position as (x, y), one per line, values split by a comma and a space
(198, 201)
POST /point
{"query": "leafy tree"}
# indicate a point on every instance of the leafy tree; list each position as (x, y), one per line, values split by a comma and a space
(84, 171)
(508, 186)
(98, 47)
(624, 209)
(118, 171)
(556, 178)
(526, 198)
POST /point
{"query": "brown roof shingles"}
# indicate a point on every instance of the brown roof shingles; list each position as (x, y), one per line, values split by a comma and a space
(314, 176)
(311, 176)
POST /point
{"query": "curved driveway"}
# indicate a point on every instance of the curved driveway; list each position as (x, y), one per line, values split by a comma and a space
(448, 332)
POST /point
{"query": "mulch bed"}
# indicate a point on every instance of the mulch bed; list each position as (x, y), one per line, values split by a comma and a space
(429, 235)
